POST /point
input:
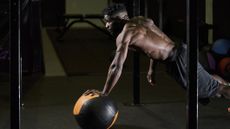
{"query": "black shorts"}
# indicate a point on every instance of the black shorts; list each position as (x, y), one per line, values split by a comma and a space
(176, 66)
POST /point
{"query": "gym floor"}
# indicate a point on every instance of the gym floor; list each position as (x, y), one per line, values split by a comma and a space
(48, 100)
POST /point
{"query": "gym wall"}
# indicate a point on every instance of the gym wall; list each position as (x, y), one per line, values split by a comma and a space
(221, 19)
(51, 16)
(51, 12)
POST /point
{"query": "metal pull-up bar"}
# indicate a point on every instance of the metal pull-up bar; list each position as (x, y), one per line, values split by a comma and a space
(192, 39)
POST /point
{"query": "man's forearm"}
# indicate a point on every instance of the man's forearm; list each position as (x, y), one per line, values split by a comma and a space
(152, 72)
(151, 64)
(112, 78)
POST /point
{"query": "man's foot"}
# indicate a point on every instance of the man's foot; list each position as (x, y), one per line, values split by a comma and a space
(225, 91)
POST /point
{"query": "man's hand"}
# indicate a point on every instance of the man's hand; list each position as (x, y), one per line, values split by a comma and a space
(93, 92)
(150, 78)
(151, 73)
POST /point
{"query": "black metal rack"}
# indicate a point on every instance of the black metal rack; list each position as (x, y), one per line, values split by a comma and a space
(81, 18)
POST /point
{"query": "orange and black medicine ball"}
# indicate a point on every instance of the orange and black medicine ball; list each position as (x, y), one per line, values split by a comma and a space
(95, 112)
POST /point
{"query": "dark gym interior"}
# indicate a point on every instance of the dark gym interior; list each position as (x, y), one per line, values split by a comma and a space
(65, 50)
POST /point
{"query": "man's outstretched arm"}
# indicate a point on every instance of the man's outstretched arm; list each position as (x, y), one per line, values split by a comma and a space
(115, 68)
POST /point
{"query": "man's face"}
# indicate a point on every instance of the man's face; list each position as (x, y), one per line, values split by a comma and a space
(114, 23)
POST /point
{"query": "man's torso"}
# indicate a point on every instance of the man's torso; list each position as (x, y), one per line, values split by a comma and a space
(143, 35)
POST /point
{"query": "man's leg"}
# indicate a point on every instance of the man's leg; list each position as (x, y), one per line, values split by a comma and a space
(207, 85)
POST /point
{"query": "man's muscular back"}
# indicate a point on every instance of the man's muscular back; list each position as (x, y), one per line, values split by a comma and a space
(142, 34)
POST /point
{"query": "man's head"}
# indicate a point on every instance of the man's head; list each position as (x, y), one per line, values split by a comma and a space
(115, 17)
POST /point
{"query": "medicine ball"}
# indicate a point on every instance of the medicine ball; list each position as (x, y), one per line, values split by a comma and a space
(221, 47)
(95, 112)
(224, 67)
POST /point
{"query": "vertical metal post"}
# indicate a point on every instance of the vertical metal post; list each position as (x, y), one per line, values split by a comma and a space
(160, 14)
(136, 61)
(146, 8)
(15, 63)
(192, 40)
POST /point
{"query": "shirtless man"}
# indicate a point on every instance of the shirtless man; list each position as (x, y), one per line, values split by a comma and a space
(141, 34)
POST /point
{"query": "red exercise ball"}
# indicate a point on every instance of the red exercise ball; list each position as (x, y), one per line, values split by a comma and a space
(224, 67)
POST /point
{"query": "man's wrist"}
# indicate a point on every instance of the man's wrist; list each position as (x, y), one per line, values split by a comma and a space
(104, 93)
